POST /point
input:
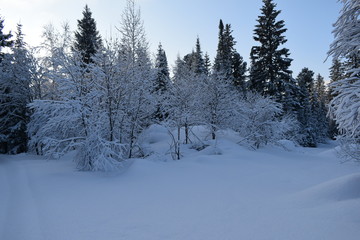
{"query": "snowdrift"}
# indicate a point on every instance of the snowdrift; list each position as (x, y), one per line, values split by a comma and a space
(339, 189)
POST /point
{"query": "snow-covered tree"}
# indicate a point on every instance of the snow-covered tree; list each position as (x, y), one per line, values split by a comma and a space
(5, 38)
(162, 81)
(15, 94)
(138, 75)
(78, 119)
(345, 106)
(319, 110)
(182, 103)
(258, 122)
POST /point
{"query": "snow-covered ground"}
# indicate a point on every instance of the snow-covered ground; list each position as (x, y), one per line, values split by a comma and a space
(222, 192)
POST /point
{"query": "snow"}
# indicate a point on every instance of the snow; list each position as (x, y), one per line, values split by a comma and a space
(221, 192)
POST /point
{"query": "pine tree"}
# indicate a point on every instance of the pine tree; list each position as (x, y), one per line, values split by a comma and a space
(87, 38)
(269, 73)
(15, 94)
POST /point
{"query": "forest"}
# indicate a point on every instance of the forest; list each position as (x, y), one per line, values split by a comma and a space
(80, 91)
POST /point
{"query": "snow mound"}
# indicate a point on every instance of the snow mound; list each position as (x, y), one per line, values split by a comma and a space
(339, 189)
(154, 134)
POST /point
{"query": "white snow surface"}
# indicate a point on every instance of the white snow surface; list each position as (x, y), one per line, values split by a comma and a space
(225, 191)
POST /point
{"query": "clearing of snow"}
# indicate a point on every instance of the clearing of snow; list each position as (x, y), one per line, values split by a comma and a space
(224, 191)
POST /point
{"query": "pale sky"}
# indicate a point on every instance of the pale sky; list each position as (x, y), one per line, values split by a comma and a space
(177, 23)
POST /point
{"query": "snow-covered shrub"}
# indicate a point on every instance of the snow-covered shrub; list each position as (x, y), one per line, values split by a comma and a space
(55, 127)
(258, 121)
(99, 154)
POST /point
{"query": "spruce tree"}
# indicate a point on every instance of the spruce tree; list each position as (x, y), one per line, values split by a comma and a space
(228, 62)
(207, 64)
(269, 73)
(305, 116)
(319, 109)
(337, 73)
(162, 70)
(195, 60)
(87, 38)
(5, 39)
(199, 63)
(162, 81)
(15, 94)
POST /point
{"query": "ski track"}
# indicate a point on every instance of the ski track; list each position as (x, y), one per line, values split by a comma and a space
(21, 216)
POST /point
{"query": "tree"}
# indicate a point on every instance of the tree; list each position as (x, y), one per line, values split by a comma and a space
(305, 116)
(162, 81)
(15, 94)
(138, 75)
(228, 62)
(319, 110)
(337, 73)
(269, 72)
(344, 107)
(5, 39)
(87, 38)
(207, 64)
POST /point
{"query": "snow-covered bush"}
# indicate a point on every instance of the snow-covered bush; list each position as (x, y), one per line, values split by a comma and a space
(99, 154)
(258, 121)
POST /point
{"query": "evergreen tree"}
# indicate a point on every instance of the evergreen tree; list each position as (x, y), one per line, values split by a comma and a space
(162, 69)
(207, 64)
(5, 39)
(195, 60)
(87, 38)
(239, 71)
(319, 109)
(306, 119)
(162, 80)
(228, 62)
(199, 63)
(337, 73)
(269, 73)
(15, 94)
(345, 105)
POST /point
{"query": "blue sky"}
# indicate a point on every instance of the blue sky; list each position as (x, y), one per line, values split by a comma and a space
(177, 23)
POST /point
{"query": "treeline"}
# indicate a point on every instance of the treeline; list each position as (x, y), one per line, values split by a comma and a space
(97, 95)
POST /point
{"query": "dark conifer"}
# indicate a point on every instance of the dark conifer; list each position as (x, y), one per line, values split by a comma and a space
(87, 38)
(270, 64)
(15, 95)
(228, 62)
(306, 119)
(5, 39)
(162, 70)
